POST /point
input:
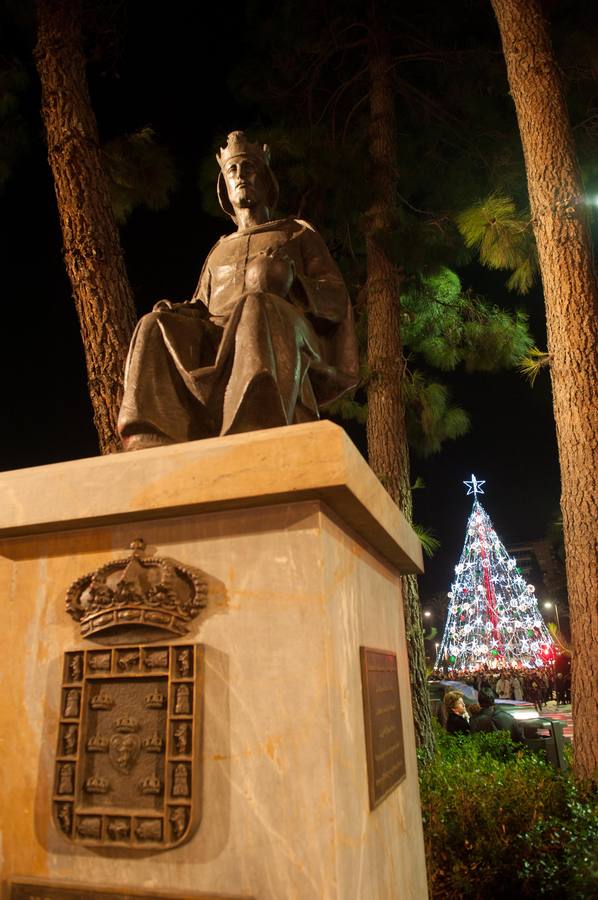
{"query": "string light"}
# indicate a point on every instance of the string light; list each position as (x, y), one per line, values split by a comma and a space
(493, 618)
(474, 486)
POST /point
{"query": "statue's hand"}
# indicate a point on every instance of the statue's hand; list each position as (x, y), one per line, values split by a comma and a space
(270, 272)
(192, 308)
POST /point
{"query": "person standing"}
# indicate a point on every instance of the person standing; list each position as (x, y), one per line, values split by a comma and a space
(503, 687)
(567, 679)
(537, 692)
(517, 687)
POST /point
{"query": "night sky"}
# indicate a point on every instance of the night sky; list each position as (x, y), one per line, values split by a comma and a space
(172, 75)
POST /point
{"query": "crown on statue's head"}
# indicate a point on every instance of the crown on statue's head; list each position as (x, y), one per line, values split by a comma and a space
(142, 594)
(237, 144)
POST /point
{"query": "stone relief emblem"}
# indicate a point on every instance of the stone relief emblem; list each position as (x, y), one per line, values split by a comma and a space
(139, 598)
(125, 745)
(125, 772)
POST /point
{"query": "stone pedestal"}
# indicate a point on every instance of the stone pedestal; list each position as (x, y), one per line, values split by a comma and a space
(303, 550)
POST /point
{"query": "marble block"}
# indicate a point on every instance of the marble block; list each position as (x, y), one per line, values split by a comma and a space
(303, 551)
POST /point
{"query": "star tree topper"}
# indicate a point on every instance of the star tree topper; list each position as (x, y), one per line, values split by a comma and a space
(475, 486)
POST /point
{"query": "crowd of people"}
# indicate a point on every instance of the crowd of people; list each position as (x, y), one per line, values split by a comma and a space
(537, 686)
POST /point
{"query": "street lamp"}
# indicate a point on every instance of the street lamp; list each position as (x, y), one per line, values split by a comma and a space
(547, 605)
(427, 613)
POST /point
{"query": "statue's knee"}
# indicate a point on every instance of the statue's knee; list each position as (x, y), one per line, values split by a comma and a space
(148, 322)
(258, 303)
(254, 301)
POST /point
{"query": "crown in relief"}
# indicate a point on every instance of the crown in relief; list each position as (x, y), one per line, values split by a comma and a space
(147, 595)
(150, 785)
(97, 744)
(103, 700)
(153, 744)
(155, 700)
(126, 724)
(97, 785)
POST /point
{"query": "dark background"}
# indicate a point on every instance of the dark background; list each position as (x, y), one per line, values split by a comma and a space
(172, 74)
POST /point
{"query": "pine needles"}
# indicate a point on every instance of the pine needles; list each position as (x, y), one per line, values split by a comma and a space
(502, 237)
(140, 171)
(531, 364)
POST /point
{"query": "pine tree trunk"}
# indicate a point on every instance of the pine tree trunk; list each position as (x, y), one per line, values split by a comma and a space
(92, 251)
(388, 452)
(571, 298)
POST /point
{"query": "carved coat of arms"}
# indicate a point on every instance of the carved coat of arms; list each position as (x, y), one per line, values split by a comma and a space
(126, 768)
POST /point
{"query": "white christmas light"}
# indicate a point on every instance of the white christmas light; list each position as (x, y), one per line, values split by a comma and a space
(474, 486)
(493, 617)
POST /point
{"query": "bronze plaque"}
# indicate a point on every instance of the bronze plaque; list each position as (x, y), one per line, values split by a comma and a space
(33, 889)
(385, 749)
(126, 772)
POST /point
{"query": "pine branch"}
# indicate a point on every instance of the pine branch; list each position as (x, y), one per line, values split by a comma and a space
(531, 364)
(502, 237)
(141, 172)
(428, 539)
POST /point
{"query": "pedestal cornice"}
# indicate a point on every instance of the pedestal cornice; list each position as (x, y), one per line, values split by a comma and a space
(315, 461)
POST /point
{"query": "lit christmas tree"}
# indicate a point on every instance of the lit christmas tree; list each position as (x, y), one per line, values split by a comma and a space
(493, 617)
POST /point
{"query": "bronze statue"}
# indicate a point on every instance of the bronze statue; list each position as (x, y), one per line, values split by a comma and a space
(267, 338)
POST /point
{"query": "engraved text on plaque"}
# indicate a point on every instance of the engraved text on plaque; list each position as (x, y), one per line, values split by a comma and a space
(383, 727)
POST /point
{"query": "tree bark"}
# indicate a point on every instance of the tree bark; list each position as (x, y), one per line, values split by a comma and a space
(388, 452)
(92, 251)
(571, 298)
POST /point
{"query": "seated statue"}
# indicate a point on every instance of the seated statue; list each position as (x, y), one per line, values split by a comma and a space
(267, 338)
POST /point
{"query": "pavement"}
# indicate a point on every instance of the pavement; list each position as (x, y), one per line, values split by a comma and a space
(562, 713)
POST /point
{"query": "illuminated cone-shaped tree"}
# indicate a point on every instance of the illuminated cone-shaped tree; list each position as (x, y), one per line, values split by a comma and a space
(493, 617)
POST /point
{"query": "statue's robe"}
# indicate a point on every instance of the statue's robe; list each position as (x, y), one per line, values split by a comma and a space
(233, 360)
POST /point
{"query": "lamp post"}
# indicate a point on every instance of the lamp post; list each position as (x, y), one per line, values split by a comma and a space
(550, 603)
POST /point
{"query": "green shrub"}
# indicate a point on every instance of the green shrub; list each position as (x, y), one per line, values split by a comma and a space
(500, 821)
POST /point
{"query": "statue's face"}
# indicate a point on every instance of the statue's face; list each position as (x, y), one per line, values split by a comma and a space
(244, 182)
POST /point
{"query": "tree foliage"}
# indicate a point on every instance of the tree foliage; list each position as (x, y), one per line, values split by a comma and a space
(445, 327)
(503, 239)
(141, 172)
(13, 129)
(531, 365)
(500, 821)
(448, 326)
